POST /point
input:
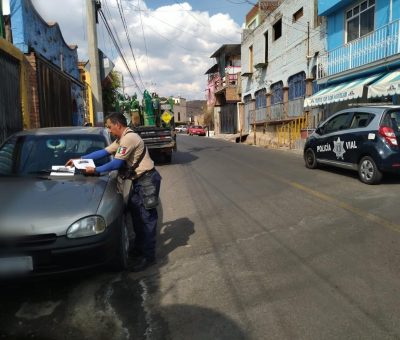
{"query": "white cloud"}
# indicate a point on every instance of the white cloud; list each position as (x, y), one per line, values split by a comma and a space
(179, 41)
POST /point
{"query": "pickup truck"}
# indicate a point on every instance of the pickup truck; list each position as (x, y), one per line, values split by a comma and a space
(160, 141)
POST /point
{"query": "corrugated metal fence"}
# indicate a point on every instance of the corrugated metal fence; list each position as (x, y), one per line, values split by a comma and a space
(10, 104)
(54, 96)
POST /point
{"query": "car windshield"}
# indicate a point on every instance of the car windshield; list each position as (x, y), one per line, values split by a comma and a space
(29, 154)
(197, 127)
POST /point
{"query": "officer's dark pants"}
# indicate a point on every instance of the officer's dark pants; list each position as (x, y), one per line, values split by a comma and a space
(144, 220)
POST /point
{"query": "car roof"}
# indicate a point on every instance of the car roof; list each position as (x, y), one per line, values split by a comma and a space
(65, 130)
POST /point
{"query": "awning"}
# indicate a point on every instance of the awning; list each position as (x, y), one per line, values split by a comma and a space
(389, 85)
(344, 91)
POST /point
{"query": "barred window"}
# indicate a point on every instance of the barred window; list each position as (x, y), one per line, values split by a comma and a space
(261, 98)
(277, 93)
(297, 85)
(360, 20)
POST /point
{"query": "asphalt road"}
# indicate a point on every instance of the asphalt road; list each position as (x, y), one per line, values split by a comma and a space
(251, 245)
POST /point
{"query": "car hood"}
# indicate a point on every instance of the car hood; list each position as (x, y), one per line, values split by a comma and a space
(31, 206)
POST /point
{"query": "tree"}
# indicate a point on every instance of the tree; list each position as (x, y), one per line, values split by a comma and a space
(110, 92)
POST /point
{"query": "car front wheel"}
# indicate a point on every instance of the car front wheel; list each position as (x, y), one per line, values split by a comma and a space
(122, 257)
(368, 171)
(310, 159)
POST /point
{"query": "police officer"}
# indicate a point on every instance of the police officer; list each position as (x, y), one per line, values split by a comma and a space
(130, 153)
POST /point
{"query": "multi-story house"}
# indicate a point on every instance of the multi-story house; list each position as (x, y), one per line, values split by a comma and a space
(222, 88)
(180, 109)
(279, 61)
(363, 58)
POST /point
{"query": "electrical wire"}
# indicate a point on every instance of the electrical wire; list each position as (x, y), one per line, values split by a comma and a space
(113, 27)
(122, 16)
(106, 24)
(145, 43)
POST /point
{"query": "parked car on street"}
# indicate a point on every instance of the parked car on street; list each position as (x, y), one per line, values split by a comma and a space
(365, 139)
(196, 130)
(52, 221)
(181, 129)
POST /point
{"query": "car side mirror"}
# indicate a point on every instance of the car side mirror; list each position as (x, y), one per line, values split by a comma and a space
(319, 130)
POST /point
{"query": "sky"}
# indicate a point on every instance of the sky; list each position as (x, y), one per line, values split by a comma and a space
(170, 41)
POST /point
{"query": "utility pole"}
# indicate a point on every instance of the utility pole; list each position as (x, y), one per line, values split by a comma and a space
(123, 85)
(2, 31)
(93, 53)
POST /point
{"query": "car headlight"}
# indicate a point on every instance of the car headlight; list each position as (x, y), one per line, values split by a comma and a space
(87, 226)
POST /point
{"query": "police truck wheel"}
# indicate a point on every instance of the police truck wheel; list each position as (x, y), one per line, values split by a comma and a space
(368, 171)
(168, 157)
(310, 159)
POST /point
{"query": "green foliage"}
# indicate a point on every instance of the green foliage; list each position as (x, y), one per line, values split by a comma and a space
(110, 92)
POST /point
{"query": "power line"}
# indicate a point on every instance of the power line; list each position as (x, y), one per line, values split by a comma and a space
(113, 27)
(122, 16)
(117, 47)
(166, 23)
(144, 41)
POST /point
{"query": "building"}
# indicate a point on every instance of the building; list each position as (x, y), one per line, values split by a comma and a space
(222, 88)
(56, 92)
(180, 110)
(362, 63)
(279, 62)
(87, 93)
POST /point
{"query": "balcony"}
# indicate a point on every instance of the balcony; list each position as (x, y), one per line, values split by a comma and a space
(230, 80)
(296, 107)
(377, 45)
(277, 111)
(258, 115)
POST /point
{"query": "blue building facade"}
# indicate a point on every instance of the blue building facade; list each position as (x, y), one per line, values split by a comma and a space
(363, 47)
(31, 33)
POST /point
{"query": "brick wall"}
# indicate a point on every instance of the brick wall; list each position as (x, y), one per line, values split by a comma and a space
(33, 96)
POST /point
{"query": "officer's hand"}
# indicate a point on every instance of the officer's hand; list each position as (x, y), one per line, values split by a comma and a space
(71, 162)
(90, 171)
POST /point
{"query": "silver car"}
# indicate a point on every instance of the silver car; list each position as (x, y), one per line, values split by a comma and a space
(52, 221)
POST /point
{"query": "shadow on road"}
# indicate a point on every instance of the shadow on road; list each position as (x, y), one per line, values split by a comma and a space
(174, 234)
(104, 305)
(388, 178)
(178, 157)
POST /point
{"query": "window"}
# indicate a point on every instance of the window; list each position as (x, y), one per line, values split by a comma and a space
(392, 119)
(179, 116)
(298, 15)
(261, 99)
(247, 99)
(361, 119)
(253, 24)
(360, 20)
(337, 123)
(277, 93)
(266, 47)
(277, 29)
(251, 58)
(297, 85)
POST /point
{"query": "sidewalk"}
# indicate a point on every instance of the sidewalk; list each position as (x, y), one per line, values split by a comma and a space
(262, 140)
